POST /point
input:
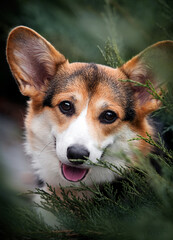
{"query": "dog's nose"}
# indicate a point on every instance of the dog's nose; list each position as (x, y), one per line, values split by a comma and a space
(77, 151)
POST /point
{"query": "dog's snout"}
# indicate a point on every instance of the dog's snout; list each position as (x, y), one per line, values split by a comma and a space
(77, 151)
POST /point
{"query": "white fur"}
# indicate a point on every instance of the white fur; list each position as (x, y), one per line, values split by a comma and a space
(46, 158)
(77, 133)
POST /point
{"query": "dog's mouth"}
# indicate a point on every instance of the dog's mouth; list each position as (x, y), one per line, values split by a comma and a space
(73, 174)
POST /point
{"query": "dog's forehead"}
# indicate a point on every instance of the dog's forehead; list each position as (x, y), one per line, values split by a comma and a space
(92, 75)
(87, 78)
(86, 83)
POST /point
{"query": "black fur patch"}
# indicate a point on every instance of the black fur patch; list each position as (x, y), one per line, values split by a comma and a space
(89, 74)
(57, 85)
(129, 108)
(48, 99)
(129, 114)
(92, 77)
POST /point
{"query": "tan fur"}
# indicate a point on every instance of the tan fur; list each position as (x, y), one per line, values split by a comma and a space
(41, 70)
(51, 58)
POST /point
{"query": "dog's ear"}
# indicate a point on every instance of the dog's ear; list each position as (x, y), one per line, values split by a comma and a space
(32, 59)
(154, 64)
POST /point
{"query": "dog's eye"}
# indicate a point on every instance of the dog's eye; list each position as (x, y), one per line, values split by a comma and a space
(108, 117)
(67, 108)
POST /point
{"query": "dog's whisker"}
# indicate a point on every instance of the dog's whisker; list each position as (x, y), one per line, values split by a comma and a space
(45, 147)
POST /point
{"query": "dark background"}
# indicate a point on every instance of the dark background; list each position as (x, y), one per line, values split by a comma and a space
(76, 28)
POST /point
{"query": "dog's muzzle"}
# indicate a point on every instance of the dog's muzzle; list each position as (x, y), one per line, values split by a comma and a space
(77, 152)
(76, 155)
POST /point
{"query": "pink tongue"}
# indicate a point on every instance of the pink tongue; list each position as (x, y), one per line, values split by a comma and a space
(73, 174)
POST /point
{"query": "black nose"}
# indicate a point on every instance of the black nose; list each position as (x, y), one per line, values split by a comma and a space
(77, 151)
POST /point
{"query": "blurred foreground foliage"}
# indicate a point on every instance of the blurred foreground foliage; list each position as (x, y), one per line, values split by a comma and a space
(140, 204)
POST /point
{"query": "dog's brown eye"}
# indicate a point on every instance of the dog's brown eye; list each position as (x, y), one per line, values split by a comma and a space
(67, 108)
(108, 117)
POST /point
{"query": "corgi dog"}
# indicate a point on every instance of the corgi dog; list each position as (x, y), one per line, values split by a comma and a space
(80, 110)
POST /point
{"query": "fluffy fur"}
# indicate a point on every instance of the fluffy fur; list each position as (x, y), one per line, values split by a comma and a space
(44, 75)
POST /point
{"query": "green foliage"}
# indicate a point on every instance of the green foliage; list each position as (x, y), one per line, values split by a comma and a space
(139, 205)
(111, 54)
(159, 145)
(150, 89)
(18, 219)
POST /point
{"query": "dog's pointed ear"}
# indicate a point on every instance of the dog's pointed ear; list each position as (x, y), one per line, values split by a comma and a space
(32, 59)
(154, 64)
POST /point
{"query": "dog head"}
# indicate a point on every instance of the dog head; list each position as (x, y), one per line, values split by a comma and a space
(78, 110)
